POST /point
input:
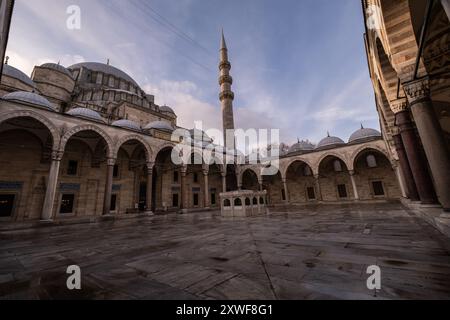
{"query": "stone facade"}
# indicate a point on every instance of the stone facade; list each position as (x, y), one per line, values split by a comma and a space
(85, 142)
(407, 45)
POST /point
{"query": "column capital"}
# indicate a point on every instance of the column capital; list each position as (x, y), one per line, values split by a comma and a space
(417, 90)
(183, 170)
(399, 105)
(57, 155)
(351, 172)
(317, 176)
(111, 161)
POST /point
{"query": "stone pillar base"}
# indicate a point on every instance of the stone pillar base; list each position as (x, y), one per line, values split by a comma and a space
(148, 213)
(183, 211)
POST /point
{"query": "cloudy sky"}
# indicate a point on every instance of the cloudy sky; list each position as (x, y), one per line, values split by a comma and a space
(298, 65)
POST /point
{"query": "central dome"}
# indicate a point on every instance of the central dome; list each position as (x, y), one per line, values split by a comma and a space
(301, 146)
(104, 68)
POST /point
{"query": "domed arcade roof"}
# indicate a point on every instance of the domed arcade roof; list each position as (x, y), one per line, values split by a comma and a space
(86, 114)
(330, 141)
(17, 74)
(301, 146)
(28, 98)
(126, 124)
(364, 133)
(160, 125)
(104, 68)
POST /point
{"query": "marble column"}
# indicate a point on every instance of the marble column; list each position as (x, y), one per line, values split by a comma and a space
(184, 196)
(108, 186)
(206, 189)
(446, 6)
(433, 140)
(318, 190)
(400, 179)
(50, 193)
(355, 188)
(286, 191)
(414, 153)
(149, 194)
(224, 182)
(410, 185)
(260, 184)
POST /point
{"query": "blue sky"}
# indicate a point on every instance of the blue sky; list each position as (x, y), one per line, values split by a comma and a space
(298, 65)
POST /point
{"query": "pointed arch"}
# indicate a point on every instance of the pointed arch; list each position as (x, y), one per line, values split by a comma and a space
(135, 137)
(89, 127)
(38, 117)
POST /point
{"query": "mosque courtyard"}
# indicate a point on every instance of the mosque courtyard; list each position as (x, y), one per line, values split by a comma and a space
(312, 252)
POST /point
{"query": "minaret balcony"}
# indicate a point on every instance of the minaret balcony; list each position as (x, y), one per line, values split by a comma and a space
(225, 79)
(227, 94)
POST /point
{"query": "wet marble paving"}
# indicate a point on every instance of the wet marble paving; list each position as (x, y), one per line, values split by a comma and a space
(316, 252)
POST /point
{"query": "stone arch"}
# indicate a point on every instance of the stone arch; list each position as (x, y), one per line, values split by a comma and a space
(89, 127)
(362, 149)
(159, 149)
(330, 154)
(252, 171)
(36, 116)
(243, 170)
(124, 140)
(294, 160)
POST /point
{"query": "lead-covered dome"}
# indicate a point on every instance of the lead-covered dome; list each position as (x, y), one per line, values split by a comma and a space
(127, 124)
(330, 141)
(301, 146)
(159, 125)
(57, 67)
(17, 74)
(28, 98)
(85, 113)
(105, 68)
(166, 109)
(363, 134)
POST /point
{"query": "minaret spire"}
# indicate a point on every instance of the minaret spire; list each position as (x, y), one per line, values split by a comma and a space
(226, 95)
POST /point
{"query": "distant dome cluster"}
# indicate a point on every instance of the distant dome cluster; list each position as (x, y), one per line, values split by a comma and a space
(361, 135)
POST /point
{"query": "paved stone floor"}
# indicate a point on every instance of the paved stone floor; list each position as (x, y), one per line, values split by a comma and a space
(295, 253)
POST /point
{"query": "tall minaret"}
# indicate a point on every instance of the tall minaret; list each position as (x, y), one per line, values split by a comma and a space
(226, 95)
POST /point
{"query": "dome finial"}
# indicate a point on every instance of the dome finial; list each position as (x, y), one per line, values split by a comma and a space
(6, 59)
(328, 134)
(107, 61)
(362, 127)
(298, 140)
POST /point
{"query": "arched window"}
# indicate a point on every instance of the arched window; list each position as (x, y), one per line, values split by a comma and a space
(371, 161)
(247, 202)
(261, 200)
(255, 200)
(337, 165)
(227, 203)
(238, 202)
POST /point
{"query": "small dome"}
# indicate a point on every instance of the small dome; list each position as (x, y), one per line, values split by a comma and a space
(364, 133)
(58, 68)
(28, 98)
(127, 124)
(17, 74)
(330, 141)
(302, 146)
(86, 114)
(160, 125)
(166, 109)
